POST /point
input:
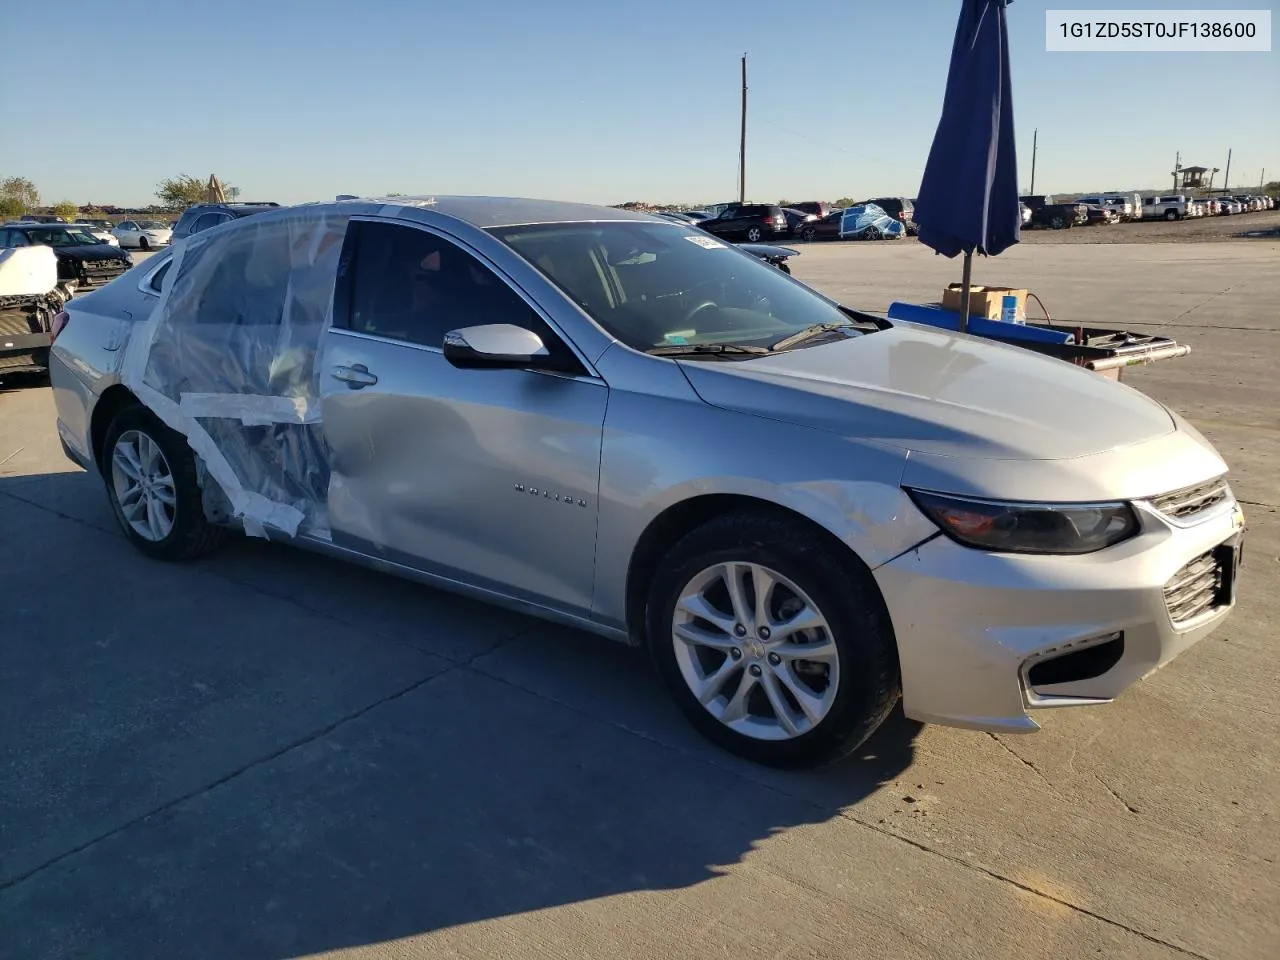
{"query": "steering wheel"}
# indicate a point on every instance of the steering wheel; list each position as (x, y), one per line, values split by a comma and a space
(704, 305)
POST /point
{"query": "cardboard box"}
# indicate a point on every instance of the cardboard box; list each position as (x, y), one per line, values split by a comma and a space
(984, 301)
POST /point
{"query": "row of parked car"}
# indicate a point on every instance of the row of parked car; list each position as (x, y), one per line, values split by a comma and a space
(1042, 210)
(881, 218)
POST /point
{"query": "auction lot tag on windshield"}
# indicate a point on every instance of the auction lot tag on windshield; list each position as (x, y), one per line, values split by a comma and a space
(706, 242)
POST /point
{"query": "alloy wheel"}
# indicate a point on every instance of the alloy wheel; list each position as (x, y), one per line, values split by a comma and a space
(755, 651)
(143, 484)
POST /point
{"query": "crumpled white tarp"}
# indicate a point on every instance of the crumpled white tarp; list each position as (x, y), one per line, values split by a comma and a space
(867, 218)
(28, 271)
(228, 358)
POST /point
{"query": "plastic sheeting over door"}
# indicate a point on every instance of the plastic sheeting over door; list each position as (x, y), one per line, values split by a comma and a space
(229, 359)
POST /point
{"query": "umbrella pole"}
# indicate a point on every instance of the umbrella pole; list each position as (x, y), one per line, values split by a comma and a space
(964, 292)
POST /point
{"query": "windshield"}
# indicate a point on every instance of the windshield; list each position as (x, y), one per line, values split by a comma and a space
(655, 285)
(72, 237)
(153, 225)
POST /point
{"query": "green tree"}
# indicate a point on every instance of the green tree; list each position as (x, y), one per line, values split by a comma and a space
(180, 192)
(18, 195)
(846, 202)
(66, 210)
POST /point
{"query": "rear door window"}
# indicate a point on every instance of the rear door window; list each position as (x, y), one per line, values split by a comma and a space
(411, 285)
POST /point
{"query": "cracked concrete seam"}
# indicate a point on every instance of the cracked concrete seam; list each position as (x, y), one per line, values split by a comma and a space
(1017, 756)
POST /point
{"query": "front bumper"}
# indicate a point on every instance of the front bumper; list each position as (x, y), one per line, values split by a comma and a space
(971, 625)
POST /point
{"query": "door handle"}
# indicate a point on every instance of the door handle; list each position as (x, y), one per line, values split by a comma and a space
(355, 376)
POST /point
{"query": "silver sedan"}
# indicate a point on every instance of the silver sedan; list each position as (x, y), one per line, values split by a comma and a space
(624, 424)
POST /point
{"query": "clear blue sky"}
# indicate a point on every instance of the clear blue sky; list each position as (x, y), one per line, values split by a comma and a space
(296, 100)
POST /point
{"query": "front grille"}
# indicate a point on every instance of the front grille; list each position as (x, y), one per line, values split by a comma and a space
(1189, 501)
(1195, 588)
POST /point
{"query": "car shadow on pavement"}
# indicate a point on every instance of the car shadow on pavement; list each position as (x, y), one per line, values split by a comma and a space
(268, 754)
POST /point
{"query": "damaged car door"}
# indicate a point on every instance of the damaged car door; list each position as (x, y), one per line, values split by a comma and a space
(487, 476)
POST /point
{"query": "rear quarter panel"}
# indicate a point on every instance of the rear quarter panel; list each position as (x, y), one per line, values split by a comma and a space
(85, 360)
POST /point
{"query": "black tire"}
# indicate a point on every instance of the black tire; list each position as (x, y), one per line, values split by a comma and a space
(143, 244)
(1058, 223)
(842, 588)
(808, 234)
(192, 534)
(1171, 214)
(754, 234)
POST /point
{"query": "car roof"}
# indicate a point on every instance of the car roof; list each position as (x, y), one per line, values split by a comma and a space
(481, 212)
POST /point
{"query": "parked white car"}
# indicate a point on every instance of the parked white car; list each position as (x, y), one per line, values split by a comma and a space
(143, 234)
(106, 236)
(1167, 208)
(1122, 207)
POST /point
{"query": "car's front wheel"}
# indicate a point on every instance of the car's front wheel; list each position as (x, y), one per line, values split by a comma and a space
(808, 234)
(150, 473)
(776, 646)
(143, 244)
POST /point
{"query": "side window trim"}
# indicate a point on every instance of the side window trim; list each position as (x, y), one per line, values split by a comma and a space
(344, 283)
(148, 284)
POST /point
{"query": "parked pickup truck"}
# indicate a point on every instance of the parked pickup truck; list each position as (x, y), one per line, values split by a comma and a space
(1167, 208)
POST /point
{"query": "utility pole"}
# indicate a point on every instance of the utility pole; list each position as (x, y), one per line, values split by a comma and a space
(1262, 180)
(1226, 177)
(1177, 166)
(742, 140)
(1035, 142)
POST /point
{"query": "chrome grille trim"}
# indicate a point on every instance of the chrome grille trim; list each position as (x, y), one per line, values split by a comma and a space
(1194, 589)
(1190, 501)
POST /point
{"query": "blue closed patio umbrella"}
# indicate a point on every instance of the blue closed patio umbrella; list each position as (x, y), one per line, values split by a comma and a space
(969, 195)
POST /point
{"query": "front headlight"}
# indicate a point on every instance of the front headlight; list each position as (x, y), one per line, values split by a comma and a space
(1005, 527)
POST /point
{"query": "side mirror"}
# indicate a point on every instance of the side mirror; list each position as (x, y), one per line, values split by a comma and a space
(495, 346)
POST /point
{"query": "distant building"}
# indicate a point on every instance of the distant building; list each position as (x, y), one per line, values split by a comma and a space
(1193, 179)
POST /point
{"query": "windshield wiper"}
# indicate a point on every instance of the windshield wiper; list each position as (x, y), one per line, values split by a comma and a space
(809, 333)
(702, 349)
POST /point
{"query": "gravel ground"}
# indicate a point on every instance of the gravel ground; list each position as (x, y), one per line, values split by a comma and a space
(1265, 224)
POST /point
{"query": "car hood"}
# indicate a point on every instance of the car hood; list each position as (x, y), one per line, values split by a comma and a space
(765, 250)
(938, 393)
(97, 251)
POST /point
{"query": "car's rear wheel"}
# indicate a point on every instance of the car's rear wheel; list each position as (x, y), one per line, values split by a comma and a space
(151, 480)
(1171, 214)
(776, 646)
(754, 234)
(143, 244)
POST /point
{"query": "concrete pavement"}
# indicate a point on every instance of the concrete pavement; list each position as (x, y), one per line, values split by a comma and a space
(268, 754)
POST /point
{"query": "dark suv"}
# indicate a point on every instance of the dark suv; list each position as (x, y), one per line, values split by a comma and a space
(900, 208)
(752, 222)
(819, 208)
(205, 215)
